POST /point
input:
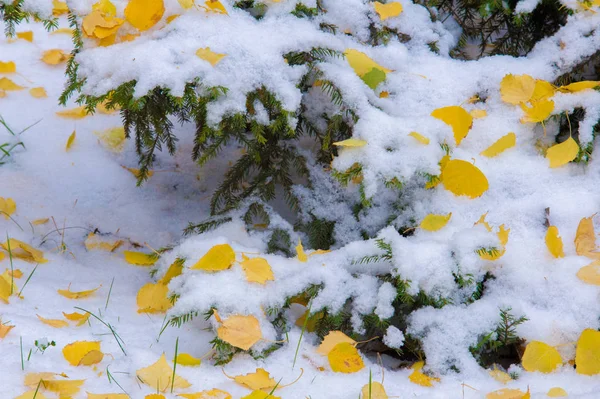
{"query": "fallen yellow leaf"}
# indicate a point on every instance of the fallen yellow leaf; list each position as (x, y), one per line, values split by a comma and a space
(563, 153)
(501, 145)
(77, 295)
(159, 376)
(144, 14)
(207, 55)
(53, 322)
(140, 258)
(457, 118)
(240, 331)
(388, 10)
(220, 257)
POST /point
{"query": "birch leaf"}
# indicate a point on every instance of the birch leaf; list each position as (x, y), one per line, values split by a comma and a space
(501, 145)
(74, 113)
(362, 63)
(331, 340)
(554, 242)
(260, 395)
(538, 112)
(24, 251)
(8, 207)
(344, 358)
(543, 91)
(113, 139)
(260, 379)
(75, 352)
(579, 86)
(27, 35)
(4, 330)
(54, 57)
(159, 376)
(557, 392)
(153, 298)
(240, 331)
(540, 356)
(302, 257)
(215, 6)
(563, 153)
(186, 4)
(506, 393)
(186, 359)
(419, 378)
(38, 92)
(516, 89)
(433, 222)
(373, 391)
(463, 178)
(585, 239)
(212, 394)
(457, 118)
(218, 258)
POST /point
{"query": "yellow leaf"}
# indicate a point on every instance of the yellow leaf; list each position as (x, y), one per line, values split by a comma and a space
(54, 57)
(152, 396)
(302, 257)
(419, 378)
(240, 331)
(65, 388)
(2, 93)
(579, 86)
(27, 35)
(383, 94)
(5, 290)
(16, 273)
(172, 18)
(516, 89)
(563, 153)
(8, 67)
(62, 31)
(557, 392)
(260, 379)
(75, 352)
(587, 354)
(101, 25)
(373, 391)
(541, 357)
(260, 395)
(91, 358)
(388, 10)
(186, 4)
(215, 6)
(212, 394)
(23, 251)
(81, 319)
(95, 242)
(74, 113)
(313, 319)
(70, 141)
(35, 394)
(144, 14)
(500, 376)
(257, 270)
(8, 85)
(362, 64)
(159, 376)
(543, 90)
(554, 242)
(59, 8)
(33, 379)
(38, 92)
(419, 137)
(153, 298)
(350, 143)
(220, 257)
(539, 112)
(186, 359)
(433, 222)
(38, 222)
(174, 270)
(53, 322)
(140, 258)
(207, 55)
(77, 295)
(137, 172)
(106, 7)
(129, 37)
(585, 239)
(457, 118)
(591, 273)
(478, 113)
(344, 358)
(501, 145)
(107, 396)
(8, 206)
(506, 393)
(463, 178)
(113, 139)
(5, 329)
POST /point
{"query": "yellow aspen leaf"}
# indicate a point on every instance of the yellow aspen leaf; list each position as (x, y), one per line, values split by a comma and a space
(541, 357)
(501, 145)
(463, 178)
(4, 330)
(53, 322)
(38, 92)
(76, 351)
(8, 67)
(62, 31)
(140, 258)
(384, 94)
(313, 319)
(240, 331)
(351, 143)
(153, 298)
(506, 393)
(362, 64)
(8, 206)
(557, 392)
(79, 318)
(457, 118)
(419, 137)
(543, 90)
(74, 113)
(300, 254)
(101, 25)
(185, 359)
(159, 376)
(129, 37)
(2, 93)
(5, 290)
(174, 270)
(70, 141)
(207, 55)
(344, 358)
(388, 10)
(54, 57)
(59, 8)
(65, 388)
(257, 270)
(538, 112)
(587, 354)
(24, 251)
(220, 257)
(91, 358)
(33, 379)
(113, 139)
(34, 394)
(8, 85)
(211, 394)
(585, 239)
(106, 7)
(186, 4)
(374, 390)
(419, 378)
(144, 14)
(27, 35)
(154, 396)
(137, 172)
(478, 113)
(260, 379)
(516, 89)
(215, 6)
(77, 295)
(579, 86)
(500, 376)
(172, 18)
(16, 273)
(38, 222)
(591, 273)
(433, 222)
(554, 242)
(94, 241)
(107, 396)
(260, 395)
(563, 153)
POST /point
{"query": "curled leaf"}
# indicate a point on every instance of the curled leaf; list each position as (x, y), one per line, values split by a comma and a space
(501, 145)
(457, 118)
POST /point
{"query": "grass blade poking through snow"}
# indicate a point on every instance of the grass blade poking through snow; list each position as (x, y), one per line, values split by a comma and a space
(174, 364)
(119, 340)
(12, 270)
(28, 278)
(302, 334)
(111, 379)
(22, 360)
(109, 292)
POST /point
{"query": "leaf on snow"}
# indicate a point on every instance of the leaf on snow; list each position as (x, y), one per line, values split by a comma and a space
(257, 270)
(260, 379)
(540, 356)
(144, 14)
(159, 376)
(587, 354)
(463, 178)
(388, 10)
(433, 222)
(140, 258)
(153, 298)
(420, 378)
(538, 112)
(240, 331)
(83, 353)
(55, 57)
(419, 137)
(563, 153)
(501, 145)
(554, 242)
(516, 89)
(220, 257)
(210, 56)
(56, 323)
(211, 394)
(457, 118)
(77, 295)
(344, 358)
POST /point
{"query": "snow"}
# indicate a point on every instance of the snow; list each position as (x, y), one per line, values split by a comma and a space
(87, 189)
